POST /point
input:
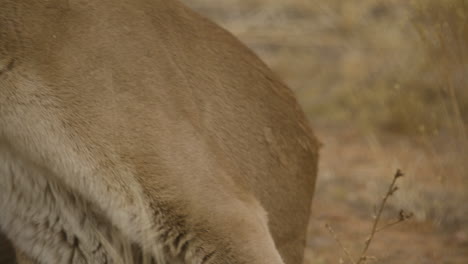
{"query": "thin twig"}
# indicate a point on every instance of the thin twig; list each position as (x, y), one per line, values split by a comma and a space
(403, 217)
(391, 190)
(388, 225)
(338, 241)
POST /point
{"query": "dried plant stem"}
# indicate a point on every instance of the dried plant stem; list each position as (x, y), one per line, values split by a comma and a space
(363, 258)
(391, 190)
(338, 241)
(390, 225)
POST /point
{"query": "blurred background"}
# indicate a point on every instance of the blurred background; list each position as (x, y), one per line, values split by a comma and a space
(384, 83)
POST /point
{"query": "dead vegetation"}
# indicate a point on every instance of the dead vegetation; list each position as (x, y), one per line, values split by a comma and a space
(364, 257)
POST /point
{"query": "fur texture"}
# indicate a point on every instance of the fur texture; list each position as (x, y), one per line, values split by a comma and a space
(138, 131)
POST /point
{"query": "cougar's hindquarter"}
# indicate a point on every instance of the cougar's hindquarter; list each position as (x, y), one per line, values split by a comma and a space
(141, 120)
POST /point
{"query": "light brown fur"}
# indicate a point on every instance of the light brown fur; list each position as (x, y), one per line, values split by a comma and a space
(137, 127)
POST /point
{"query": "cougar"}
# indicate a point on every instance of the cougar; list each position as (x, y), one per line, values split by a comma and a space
(137, 131)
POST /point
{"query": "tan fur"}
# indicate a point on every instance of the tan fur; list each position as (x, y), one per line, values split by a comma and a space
(137, 129)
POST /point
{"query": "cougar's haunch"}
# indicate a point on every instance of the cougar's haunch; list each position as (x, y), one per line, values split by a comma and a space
(137, 131)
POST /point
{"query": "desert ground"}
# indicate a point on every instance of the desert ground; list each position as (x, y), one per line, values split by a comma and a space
(384, 83)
